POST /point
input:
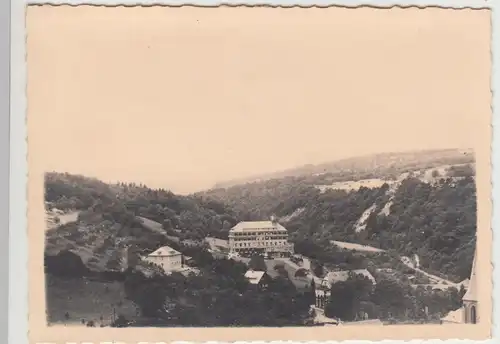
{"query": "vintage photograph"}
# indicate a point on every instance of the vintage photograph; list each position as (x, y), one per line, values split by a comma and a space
(259, 167)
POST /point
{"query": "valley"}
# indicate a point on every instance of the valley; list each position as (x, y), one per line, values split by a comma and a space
(414, 231)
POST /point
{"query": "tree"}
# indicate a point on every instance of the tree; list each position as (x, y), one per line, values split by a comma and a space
(301, 273)
(280, 268)
(65, 264)
(257, 263)
(312, 292)
(341, 302)
(349, 298)
(167, 224)
(120, 321)
(318, 269)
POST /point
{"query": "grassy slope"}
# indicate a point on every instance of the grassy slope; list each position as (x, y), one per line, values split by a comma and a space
(85, 299)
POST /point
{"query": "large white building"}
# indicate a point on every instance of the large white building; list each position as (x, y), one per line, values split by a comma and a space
(265, 237)
(167, 258)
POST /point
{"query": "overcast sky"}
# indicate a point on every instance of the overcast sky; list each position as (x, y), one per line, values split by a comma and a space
(182, 98)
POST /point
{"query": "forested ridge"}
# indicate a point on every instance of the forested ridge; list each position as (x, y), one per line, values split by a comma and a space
(386, 165)
(217, 295)
(435, 220)
(121, 202)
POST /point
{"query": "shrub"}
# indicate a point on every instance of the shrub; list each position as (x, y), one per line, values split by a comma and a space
(121, 321)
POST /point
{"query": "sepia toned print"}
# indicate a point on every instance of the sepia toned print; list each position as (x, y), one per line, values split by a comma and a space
(258, 173)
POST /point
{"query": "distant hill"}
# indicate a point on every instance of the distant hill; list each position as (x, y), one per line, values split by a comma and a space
(108, 225)
(383, 165)
(93, 271)
(418, 204)
(423, 208)
(423, 204)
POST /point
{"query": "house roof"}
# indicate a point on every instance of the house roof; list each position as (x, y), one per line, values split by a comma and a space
(455, 316)
(364, 322)
(257, 225)
(253, 276)
(164, 251)
(471, 294)
(341, 276)
(321, 318)
(465, 283)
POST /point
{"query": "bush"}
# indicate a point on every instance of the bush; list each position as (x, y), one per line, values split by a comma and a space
(65, 264)
(301, 273)
(121, 321)
(257, 263)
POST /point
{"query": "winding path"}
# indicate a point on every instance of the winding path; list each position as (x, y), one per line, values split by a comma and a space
(63, 219)
(405, 260)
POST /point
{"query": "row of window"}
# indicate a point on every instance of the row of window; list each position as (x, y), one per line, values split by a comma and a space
(254, 244)
(274, 251)
(258, 233)
(171, 263)
(166, 258)
(262, 238)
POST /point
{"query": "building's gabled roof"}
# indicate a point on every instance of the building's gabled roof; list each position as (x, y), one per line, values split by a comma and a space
(465, 283)
(363, 322)
(253, 276)
(471, 294)
(342, 276)
(257, 225)
(456, 316)
(164, 251)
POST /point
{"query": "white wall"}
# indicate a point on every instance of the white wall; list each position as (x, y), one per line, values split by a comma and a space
(167, 263)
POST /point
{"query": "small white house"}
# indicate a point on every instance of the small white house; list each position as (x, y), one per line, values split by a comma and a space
(167, 258)
(257, 278)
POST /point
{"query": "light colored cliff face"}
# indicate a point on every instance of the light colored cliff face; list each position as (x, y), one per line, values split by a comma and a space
(56, 218)
(429, 175)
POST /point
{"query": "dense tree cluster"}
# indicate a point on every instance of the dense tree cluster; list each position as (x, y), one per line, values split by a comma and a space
(193, 217)
(389, 299)
(436, 221)
(218, 296)
(259, 200)
(65, 264)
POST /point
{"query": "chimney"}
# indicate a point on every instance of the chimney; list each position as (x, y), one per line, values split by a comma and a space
(273, 219)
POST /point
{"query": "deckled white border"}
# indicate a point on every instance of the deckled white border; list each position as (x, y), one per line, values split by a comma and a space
(18, 252)
(305, 3)
(18, 236)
